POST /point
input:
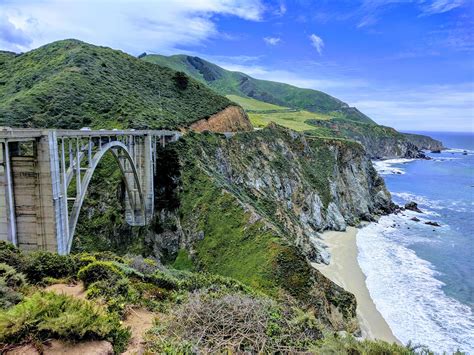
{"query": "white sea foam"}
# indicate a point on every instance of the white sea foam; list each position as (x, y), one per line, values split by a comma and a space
(406, 292)
(458, 150)
(428, 205)
(385, 167)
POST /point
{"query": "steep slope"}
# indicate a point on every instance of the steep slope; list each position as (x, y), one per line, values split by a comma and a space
(71, 84)
(234, 83)
(380, 142)
(250, 206)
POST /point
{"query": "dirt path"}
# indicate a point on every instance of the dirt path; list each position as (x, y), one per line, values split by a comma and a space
(74, 290)
(139, 320)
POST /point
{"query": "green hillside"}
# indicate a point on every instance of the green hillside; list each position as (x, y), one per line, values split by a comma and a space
(72, 84)
(252, 105)
(234, 83)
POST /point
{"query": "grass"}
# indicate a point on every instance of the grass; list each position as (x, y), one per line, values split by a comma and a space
(250, 104)
(296, 120)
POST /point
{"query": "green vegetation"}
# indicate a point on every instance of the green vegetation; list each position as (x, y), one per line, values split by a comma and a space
(183, 261)
(99, 271)
(197, 312)
(252, 105)
(242, 86)
(296, 120)
(72, 84)
(47, 315)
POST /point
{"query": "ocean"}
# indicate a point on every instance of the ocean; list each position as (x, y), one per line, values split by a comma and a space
(421, 277)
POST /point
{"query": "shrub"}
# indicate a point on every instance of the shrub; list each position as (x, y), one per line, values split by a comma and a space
(117, 296)
(84, 260)
(11, 277)
(41, 264)
(181, 80)
(11, 255)
(98, 271)
(47, 315)
(334, 344)
(164, 280)
(233, 323)
(11, 282)
(8, 296)
(144, 265)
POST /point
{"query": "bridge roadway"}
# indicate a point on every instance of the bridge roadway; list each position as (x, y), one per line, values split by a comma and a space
(44, 176)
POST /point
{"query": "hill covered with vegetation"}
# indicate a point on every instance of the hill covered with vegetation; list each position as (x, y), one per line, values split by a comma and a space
(72, 84)
(300, 109)
(228, 82)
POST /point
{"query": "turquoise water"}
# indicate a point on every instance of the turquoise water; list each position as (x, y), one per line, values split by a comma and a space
(422, 277)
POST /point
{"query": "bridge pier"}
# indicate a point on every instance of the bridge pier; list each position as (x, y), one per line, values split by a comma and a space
(38, 210)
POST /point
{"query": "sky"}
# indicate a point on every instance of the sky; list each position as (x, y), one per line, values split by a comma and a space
(408, 64)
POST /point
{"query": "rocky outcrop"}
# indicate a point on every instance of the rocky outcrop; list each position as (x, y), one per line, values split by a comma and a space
(380, 142)
(231, 119)
(424, 142)
(251, 206)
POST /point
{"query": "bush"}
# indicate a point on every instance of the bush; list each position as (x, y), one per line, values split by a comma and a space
(8, 296)
(11, 277)
(181, 80)
(117, 296)
(164, 280)
(233, 323)
(11, 255)
(144, 265)
(41, 264)
(334, 344)
(47, 315)
(100, 271)
(11, 282)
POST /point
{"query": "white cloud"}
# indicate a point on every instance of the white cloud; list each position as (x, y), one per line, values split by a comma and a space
(431, 108)
(317, 43)
(371, 10)
(273, 41)
(159, 25)
(440, 6)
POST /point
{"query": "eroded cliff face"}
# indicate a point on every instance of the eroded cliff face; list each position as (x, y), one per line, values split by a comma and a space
(251, 206)
(380, 142)
(231, 119)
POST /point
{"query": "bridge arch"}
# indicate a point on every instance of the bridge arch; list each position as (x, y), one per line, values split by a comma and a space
(131, 179)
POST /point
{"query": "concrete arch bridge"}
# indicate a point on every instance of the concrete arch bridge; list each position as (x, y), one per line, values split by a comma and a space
(44, 176)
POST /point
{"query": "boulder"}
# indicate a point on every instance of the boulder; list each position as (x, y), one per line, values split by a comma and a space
(412, 206)
(415, 219)
(434, 224)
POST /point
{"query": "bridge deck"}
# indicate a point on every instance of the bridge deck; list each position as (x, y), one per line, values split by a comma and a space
(17, 134)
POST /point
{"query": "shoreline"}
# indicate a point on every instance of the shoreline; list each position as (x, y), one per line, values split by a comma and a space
(345, 271)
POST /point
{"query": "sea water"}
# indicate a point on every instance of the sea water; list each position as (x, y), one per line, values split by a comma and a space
(421, 277)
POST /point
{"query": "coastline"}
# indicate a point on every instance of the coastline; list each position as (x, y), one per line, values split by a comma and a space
(345, 271)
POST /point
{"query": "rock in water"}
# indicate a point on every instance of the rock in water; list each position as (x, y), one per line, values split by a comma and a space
(415, 219)
(434, 224)
(413, 206)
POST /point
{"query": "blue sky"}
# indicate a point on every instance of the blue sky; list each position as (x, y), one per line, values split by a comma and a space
(406, 63)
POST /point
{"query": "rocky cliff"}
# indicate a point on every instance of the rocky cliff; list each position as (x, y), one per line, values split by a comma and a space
(251, 206)
(380, 142)
(231, 119)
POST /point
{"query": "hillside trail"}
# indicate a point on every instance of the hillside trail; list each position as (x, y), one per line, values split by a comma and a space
(138, 319)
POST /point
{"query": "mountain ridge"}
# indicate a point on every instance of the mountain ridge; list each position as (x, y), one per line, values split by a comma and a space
(72, 84)
(300, 109)
(236, 83)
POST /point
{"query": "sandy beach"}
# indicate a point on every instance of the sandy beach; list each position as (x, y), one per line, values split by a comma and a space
(345, 271)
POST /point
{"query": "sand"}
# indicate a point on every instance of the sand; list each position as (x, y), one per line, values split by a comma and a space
(345, 271)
